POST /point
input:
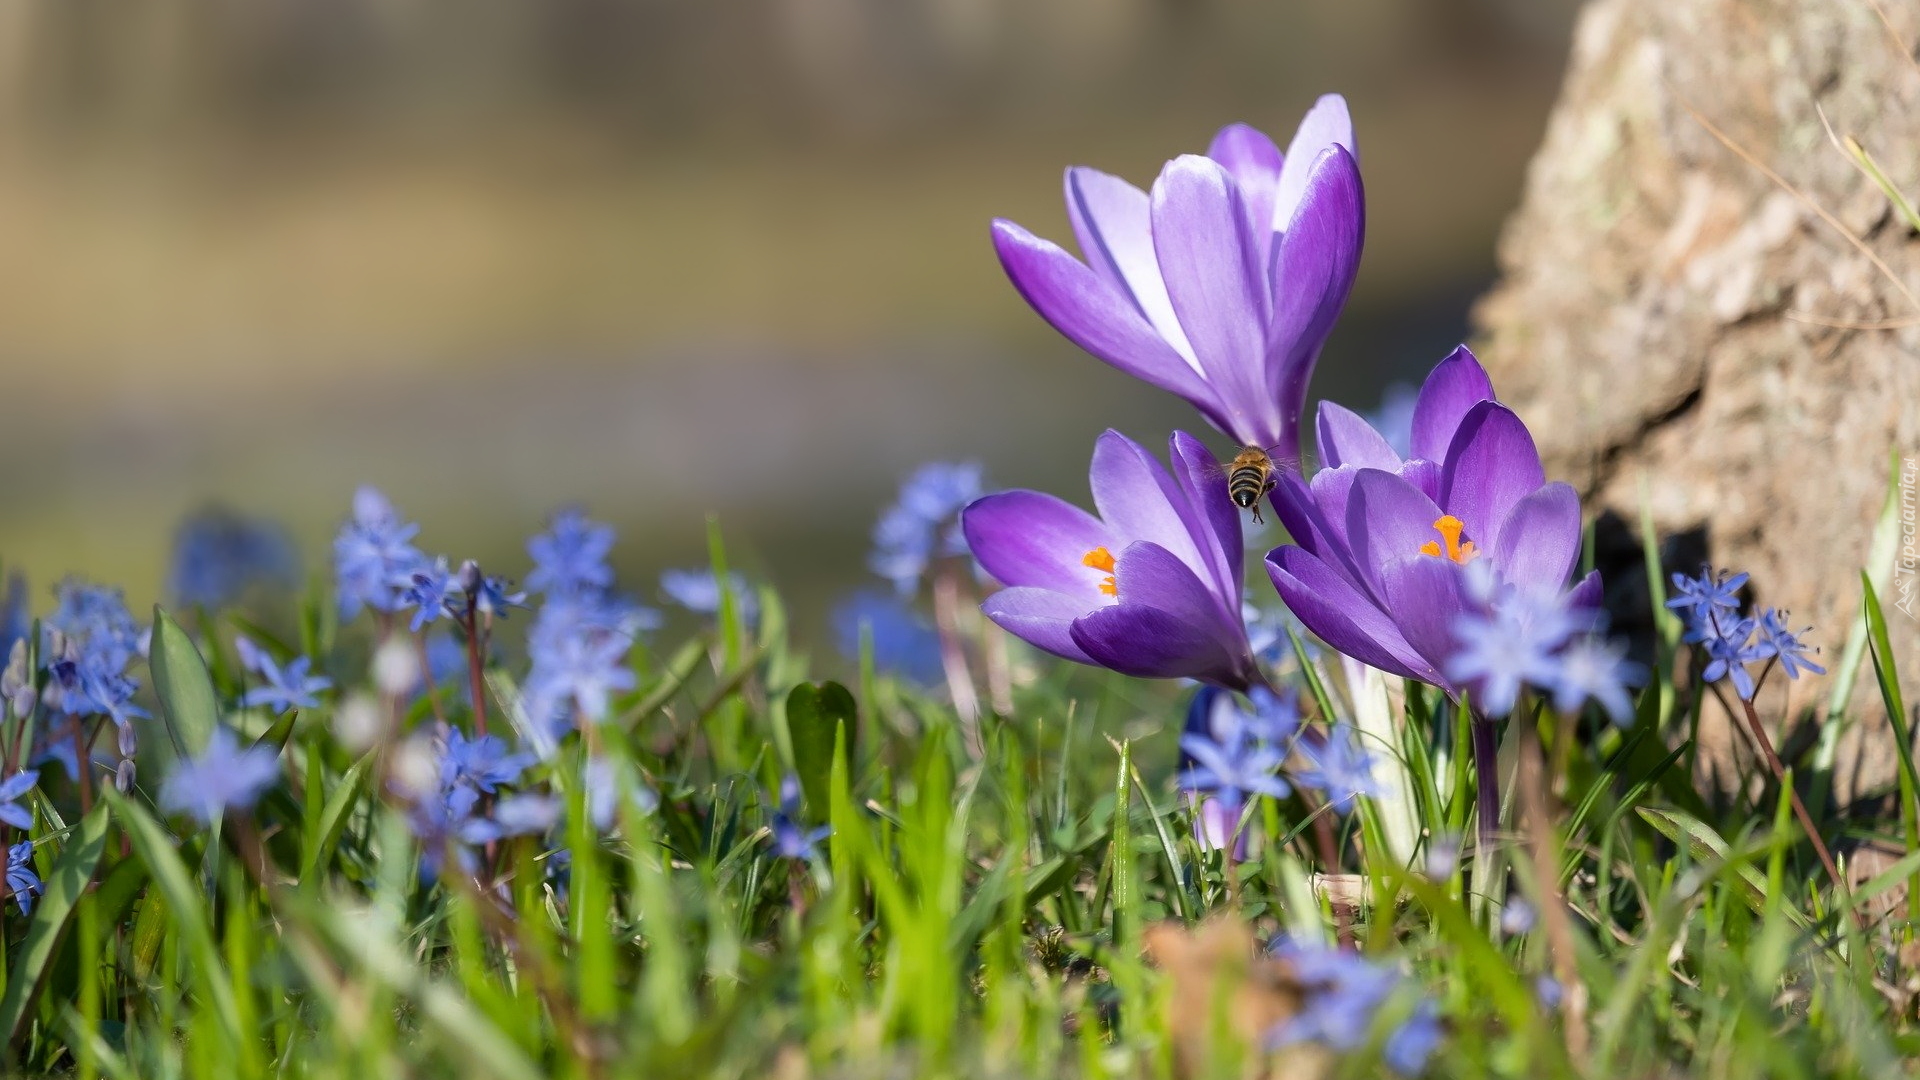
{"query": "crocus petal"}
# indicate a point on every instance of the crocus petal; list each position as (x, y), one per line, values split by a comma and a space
(1587, 594)
(1219, 290)
(1491, 465)
(1341, 616)
(1041, 618)
(1540, 539)
(1313, 270)
(1347, 439)
(1094, 314)
(1422, 474)
(1452, 389)
(1112, 222)
(1150, 576)
(1029, 538)
(1327, 124)
(1204, 483)
(1254, 162)
(1151, 644)
(1427, 596)
(1388, 520)
(1140, 501)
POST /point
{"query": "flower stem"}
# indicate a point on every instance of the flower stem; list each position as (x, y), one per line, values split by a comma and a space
(475, 675)
(953, 658)
(1799, 808)
(1486, 770)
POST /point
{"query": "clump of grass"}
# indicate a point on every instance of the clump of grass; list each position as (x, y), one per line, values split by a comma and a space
(747, 870)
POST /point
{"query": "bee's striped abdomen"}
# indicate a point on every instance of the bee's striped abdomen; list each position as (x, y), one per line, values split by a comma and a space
(1246, 484)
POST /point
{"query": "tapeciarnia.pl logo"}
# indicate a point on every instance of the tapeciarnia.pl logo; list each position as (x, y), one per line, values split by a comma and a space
(1907, 566)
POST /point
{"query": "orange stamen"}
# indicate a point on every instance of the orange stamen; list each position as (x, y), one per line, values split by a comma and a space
(1449, 528)
(1102, 559)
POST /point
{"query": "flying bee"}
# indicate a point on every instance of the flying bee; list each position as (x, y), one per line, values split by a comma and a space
(1249, 478)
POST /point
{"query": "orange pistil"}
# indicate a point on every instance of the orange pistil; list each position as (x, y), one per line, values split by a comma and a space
(1101, 559)
(1449, 528)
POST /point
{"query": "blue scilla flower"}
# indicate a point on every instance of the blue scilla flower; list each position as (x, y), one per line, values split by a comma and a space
(1343, 996)
(12, 790)
(487, 595)
(281, 688)
(923, 524)
(87, 644)
(226, 776)
(16, 613)
(1731, 645)
(1511, 645)
(1786, 645)
(1226, 760)
(373, 556)
(698, 591)
(1393, 417)
(1590, 668)
(606, 786)
(1704, 598)
(22, 882)
(430, 592)
(484, 763)
(791, 837)
(904, 643)
(578, 645)
(218, 555)
(1338, 767)
(571, 556)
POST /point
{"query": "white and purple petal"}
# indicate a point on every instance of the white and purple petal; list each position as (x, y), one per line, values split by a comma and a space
(1540, 539)
(1041, 618)
(1218, 287)
(1152, 644)
(1343, 617)
(1453, 388)
(1112, 222)
(1027, 538)
(1326, 125)
(1491, 465)
(1094, 313)
(1313, 269)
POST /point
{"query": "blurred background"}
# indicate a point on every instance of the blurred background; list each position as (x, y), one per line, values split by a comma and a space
(660, 257)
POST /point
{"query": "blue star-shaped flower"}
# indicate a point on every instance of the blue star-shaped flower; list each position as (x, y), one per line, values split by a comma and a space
(22, 882)
(12, 790)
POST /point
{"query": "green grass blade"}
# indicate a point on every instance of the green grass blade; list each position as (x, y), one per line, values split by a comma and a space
(28, 966)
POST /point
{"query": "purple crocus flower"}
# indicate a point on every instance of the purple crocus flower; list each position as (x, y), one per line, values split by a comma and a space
(1149, 588)
(1219, 286)
(1382, 544)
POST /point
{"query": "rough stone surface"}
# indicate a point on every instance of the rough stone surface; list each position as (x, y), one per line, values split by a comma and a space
(1685, 333)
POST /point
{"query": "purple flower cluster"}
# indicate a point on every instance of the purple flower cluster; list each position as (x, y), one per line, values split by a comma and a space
(924, 523)
(218, 555)
(226, 776)
(792, 839)
(1230, 753)
(1709, 606)
(1345, 994)
(582, 633)
(449, 818)
(374, 558)
(281, 688)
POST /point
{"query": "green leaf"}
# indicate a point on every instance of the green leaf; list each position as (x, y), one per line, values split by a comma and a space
(30, 963)
(1706, 845)
(185, 903)
(180, 678)
(333, 818)
(1889, 678)
(815, 711)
